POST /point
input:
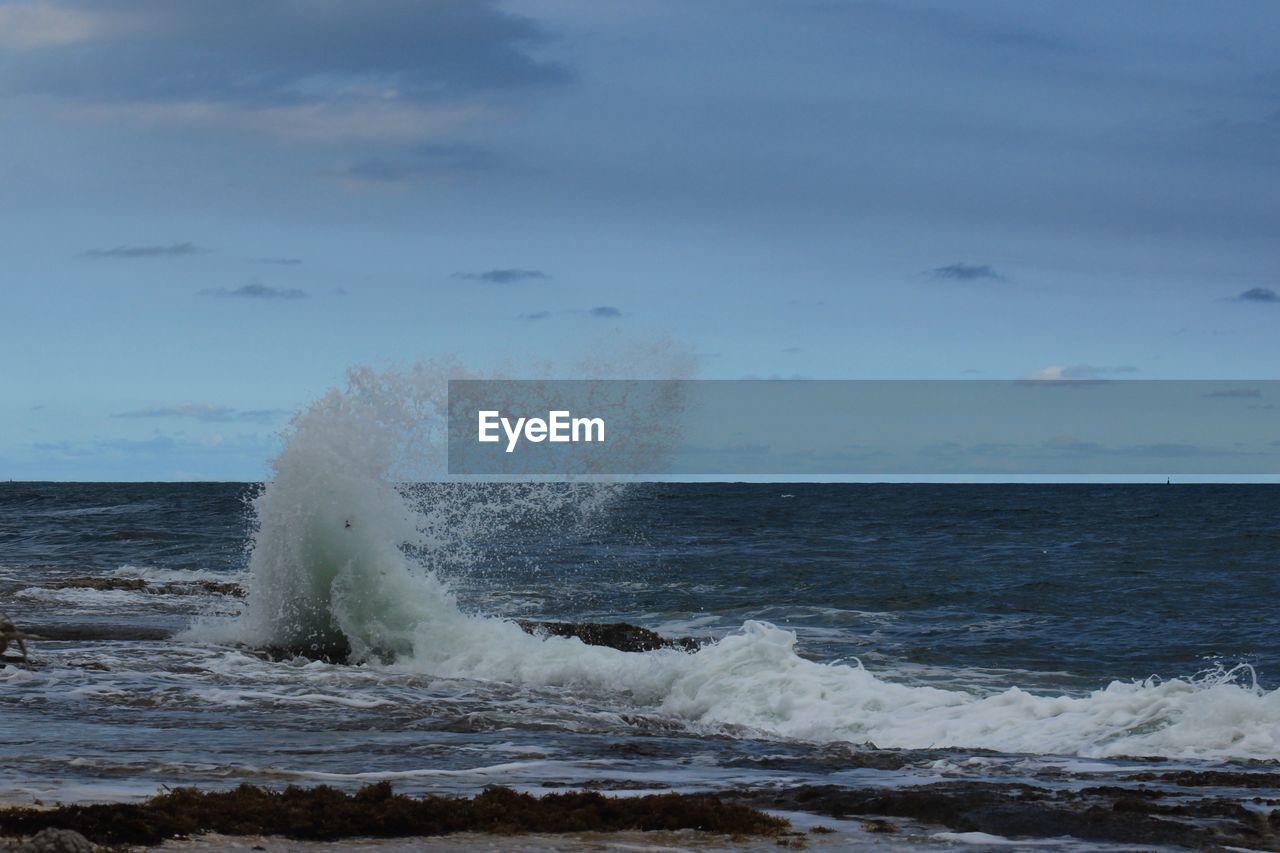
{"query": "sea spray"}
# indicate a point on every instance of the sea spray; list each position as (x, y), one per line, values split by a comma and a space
(358, 525)
(327, 570)
(349, 553)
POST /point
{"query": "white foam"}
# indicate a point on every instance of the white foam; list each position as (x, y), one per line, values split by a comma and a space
(154, 574)
(85, 598)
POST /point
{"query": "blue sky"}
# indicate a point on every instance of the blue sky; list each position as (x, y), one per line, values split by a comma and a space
(210, 209)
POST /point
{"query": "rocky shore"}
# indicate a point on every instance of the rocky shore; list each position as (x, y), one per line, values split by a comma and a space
(376, 811)
(1164, 809)
(1152, 808)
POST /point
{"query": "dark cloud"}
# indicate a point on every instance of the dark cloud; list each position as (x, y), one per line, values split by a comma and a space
(173, 250)
(1259, 294)
(605, 311)
(256, 290)
(422, 163)
(536, 315)
(205, 412)
(279, 53)
(506, 276)
(966, 272)
(281, 262)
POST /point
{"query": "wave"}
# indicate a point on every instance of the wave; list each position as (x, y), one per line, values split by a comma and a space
(345, 555)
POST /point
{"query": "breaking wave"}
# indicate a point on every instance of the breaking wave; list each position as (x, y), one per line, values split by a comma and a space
(348, 554)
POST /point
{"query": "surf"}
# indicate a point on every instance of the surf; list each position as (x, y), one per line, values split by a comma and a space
(353, 544)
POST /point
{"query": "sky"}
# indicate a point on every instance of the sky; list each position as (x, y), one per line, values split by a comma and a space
(211, 209)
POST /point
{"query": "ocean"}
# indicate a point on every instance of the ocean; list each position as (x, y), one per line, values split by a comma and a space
(1061, 635)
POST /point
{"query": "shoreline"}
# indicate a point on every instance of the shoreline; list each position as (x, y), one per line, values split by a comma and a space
(1196, 809)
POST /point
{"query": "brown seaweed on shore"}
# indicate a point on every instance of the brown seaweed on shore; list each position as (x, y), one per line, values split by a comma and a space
(325, 813)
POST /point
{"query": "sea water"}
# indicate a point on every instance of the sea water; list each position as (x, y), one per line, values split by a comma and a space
(1054, 633)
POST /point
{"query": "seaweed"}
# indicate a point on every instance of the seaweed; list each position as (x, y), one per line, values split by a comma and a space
(324, 813)
(198, 587)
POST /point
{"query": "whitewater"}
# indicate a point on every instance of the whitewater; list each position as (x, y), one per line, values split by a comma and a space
(349, 552)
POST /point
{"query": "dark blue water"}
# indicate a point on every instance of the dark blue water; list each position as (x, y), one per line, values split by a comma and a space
(1091, 580)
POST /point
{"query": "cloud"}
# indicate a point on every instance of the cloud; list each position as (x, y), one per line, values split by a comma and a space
(507, 276)
(232, 456)
(966, 272)
(32, 26)
(1258, 294)
(602, 312)
(422, 163)
(208, 412)
(173, 250)
(281, 262)
(72, 449)
(1079, 372)
(256, 290)
(336, 64)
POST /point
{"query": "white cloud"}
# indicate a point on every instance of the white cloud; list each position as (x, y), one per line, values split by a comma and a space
(33, 26)
(345, 121)
(205, 412)
(1079, 372)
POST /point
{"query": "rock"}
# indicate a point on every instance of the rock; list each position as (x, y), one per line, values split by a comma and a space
(617, 635)
(52, 841)
(198, 587)
(1109, 814)
(126, 584)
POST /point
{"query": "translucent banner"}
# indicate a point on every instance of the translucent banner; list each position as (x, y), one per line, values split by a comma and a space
(861, 428)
